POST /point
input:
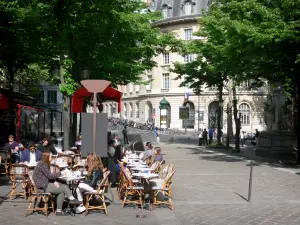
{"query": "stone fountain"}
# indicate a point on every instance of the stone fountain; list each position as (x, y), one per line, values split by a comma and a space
(279, 139)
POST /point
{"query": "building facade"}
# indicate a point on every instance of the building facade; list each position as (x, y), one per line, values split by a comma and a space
(49, 99)
(161, 99)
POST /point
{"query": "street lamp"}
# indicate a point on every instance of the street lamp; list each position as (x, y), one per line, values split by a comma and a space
(56, 69)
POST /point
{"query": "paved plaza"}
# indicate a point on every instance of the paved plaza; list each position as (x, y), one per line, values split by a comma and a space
(209, 188)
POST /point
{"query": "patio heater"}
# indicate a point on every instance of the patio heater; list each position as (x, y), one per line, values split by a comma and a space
(95, 87)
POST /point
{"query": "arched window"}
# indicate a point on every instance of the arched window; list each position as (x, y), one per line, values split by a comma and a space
(244, 111)
(188, 8)
(137, 113)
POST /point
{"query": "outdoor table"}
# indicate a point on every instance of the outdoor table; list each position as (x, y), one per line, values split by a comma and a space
(71, 178)
(145, 175)
(142, 169)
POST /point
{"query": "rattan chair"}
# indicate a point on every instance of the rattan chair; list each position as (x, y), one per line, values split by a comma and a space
(99, 196)
(38, 196)
(19, 175)
(165, 188)
(4, 162)
(133, 192)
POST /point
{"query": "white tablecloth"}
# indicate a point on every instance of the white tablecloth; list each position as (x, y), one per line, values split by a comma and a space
(145, 175)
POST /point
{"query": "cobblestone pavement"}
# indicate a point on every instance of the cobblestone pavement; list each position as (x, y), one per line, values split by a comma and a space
(209, 188)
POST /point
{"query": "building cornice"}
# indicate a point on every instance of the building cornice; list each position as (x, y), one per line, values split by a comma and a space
(176, 20)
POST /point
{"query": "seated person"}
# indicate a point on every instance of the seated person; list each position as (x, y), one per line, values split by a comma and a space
(149, 151)
(12, 147)
(157, 154)
(94, 178)
(45, 182)
(32, 155)
(47, 147)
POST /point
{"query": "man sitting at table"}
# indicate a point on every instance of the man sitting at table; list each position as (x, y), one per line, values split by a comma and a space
(32, 155)
(47, 147)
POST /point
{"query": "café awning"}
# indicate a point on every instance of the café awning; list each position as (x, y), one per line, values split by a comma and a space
(109, 94)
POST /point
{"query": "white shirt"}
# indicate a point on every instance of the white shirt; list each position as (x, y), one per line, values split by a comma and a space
(32, 157)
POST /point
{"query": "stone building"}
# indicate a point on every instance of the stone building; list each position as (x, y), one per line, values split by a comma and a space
(161, 99)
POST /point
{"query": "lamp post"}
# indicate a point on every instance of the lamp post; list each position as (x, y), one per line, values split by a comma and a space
(198, 113)
(228, 111)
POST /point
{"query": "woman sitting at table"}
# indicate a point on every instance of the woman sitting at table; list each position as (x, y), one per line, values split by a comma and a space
(45, 181)
(32, 155)
(94, 178)
(157, 154)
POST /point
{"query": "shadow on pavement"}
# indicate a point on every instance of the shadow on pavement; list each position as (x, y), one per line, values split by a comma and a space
(221, 158)
(241, 196)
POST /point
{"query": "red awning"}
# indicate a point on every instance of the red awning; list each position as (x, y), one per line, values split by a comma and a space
(109, 94)
(3, 102)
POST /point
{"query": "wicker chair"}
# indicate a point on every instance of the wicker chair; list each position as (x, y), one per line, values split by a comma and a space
(38, 196)
(4, 161)
(99, 196)
(165, 188)
(132, 190)
(19, 175)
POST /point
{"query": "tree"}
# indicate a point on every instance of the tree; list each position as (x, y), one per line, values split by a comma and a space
(111, 38)
(263, 42)
(210, 67)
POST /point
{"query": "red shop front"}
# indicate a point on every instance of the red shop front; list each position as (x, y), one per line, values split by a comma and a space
(17, 118)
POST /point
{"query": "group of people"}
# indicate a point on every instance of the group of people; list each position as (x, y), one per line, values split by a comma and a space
(117, 154)
(27, 152)
(48, 182)
(206, 137)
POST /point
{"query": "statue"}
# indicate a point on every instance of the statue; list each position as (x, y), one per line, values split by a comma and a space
(269, 113)
(279, 101)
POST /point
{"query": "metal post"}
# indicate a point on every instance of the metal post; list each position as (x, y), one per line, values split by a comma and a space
(51, 122)
(250, 181)
(94, 121)
(198, 113)
(185, 125)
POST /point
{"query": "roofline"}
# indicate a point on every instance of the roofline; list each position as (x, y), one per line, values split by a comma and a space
(176, 20)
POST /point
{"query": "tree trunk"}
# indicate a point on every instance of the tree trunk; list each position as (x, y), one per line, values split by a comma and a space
(65, 110)
(220, 115)
(236, 119)
(297, 117)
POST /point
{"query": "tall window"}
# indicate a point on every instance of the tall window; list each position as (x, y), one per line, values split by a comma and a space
(52, 97)
(188, 7)
(149, 85)
(166, 12)
(166, 58)
(39, 97)
(188, 34)
(244, 109)
(188, 58)
(137, 113)
(166, 81)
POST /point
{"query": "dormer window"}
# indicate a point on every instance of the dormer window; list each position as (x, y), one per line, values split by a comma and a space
(166, 11)
(188, 7)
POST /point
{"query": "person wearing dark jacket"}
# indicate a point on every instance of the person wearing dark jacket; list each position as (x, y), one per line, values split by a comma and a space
(94, 178)
(125, 134)
(47, 147)
(45, 181)
(32, 155)
(12, 147)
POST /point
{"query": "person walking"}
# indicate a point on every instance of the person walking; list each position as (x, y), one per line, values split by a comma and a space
(204, 137)
(125, 134)
(211, 134)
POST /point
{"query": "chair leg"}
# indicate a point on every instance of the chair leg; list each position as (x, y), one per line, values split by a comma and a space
(29, 204)
(52, 204)
(13, 191)
(124, 201)
(154, 199)
(141, 199)
(104, 204)
(87, 205)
